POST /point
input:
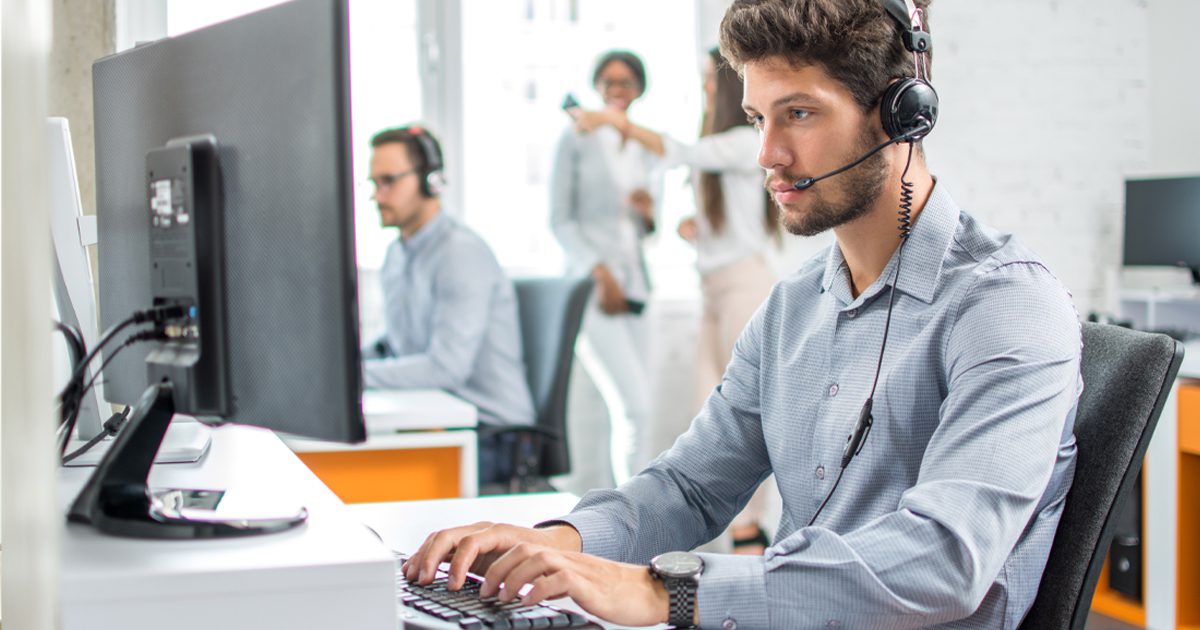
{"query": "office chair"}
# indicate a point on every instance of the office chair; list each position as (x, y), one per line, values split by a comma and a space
(550, 311)
(1127, 377)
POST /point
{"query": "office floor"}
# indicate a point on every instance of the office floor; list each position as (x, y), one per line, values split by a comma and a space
(1100, 622)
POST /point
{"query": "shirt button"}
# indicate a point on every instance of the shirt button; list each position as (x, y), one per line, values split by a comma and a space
(729, 624)
(833, 390)
(833, 623)
(820, 472)
(852, 313)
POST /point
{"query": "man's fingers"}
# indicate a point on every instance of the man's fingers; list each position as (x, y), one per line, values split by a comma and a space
(469, 549)
(437, 548)
(552, 586)
(498, 572)
(536, 563)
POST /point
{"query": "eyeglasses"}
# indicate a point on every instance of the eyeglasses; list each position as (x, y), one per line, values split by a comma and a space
(625, 84)
(386, 180)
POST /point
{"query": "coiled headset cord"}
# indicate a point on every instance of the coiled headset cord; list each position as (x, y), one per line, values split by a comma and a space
(862, 428)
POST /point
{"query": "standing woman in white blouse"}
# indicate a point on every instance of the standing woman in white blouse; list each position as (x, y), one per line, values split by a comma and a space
(735, 227)
(602, 207)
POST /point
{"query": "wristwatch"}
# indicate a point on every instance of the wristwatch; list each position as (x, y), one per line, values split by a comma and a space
(680, 573)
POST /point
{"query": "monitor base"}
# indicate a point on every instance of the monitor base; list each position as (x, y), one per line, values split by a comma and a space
(116, 499)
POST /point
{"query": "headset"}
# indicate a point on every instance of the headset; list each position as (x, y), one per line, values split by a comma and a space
(908, 110)
(432, 177)
(909, 106)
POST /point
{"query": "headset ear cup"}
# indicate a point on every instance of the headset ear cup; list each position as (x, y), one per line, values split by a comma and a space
(432, 184)
(906, 106)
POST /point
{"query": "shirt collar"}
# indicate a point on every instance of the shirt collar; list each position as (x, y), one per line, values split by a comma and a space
(427, 234)
(924, 254)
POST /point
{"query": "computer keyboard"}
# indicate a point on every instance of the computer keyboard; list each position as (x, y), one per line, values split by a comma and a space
(435, 607)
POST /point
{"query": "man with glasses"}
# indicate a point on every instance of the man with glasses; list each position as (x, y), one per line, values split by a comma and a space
(451, 313)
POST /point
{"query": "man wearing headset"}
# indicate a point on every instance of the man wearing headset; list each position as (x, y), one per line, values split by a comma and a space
(451, 312)
(947, 513)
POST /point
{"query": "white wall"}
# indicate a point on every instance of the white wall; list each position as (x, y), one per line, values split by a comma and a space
(1043, 114)
(1174, 86)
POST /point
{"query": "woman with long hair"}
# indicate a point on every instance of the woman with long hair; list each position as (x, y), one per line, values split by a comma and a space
(737, 224)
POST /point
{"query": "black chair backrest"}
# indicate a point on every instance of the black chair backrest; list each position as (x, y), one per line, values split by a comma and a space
(1127, 377)
(551, 313)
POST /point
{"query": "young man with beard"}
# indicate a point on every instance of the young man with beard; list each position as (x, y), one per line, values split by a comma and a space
(947, 513)
(451, 312)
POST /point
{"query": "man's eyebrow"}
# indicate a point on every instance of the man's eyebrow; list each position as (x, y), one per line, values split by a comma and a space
(795, 98)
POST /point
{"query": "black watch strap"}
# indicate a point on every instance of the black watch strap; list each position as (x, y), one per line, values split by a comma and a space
(681, 597)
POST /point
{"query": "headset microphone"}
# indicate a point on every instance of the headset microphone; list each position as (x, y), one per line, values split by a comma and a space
(911, 136)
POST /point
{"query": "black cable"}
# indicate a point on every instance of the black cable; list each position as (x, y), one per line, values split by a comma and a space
(111, 426)
(74, 392)
(146, 335)
(157, 315)
(862, 428)
(75, 342)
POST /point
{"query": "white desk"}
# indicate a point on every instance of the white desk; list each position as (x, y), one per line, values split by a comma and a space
(404, 525)
(330, 572)
(388, 411)
(414, 437)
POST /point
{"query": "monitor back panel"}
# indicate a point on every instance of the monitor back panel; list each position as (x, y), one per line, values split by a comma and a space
(273, 88)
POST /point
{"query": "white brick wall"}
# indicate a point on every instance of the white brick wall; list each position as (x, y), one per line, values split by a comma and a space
(1045, 109)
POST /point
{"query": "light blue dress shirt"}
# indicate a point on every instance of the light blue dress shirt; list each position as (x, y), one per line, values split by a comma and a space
(451, 324)
(946, 517)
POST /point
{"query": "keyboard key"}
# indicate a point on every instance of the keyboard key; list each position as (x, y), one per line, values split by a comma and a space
(470, 623)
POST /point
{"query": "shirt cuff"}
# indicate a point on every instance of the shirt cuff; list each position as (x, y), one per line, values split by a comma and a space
(596, 532)
(733, 592)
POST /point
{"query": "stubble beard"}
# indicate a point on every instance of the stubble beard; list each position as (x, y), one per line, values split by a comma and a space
(860, 187)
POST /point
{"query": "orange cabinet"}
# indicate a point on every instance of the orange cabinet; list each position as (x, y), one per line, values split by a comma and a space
(1186, 529)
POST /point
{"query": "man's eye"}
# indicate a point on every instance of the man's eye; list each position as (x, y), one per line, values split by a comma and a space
(799, 114)
(754, 120)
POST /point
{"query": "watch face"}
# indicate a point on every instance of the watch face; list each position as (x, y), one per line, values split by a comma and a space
(678, 564)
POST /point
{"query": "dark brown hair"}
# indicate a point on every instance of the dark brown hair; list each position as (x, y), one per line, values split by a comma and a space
(631, 61)
(855, 41)
(723, 114)
(407, 136)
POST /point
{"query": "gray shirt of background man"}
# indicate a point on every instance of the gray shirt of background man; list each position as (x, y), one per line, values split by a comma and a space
(949, 511)
(451, 323)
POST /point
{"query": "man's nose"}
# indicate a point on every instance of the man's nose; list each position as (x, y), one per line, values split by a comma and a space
(773, 151)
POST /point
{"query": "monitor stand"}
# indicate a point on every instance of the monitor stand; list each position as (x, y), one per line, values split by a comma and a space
(117, 500)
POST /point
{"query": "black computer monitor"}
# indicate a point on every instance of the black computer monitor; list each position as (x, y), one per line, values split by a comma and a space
(1162, 223)
(258, 109)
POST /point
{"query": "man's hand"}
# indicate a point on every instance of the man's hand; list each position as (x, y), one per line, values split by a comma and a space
(612, 298)
(623, 594)
(475, 547)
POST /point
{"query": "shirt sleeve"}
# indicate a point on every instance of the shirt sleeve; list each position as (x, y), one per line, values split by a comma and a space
(564, 203)
(462, 305)
(733, 150)
(688, 495)
(1012, 370)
